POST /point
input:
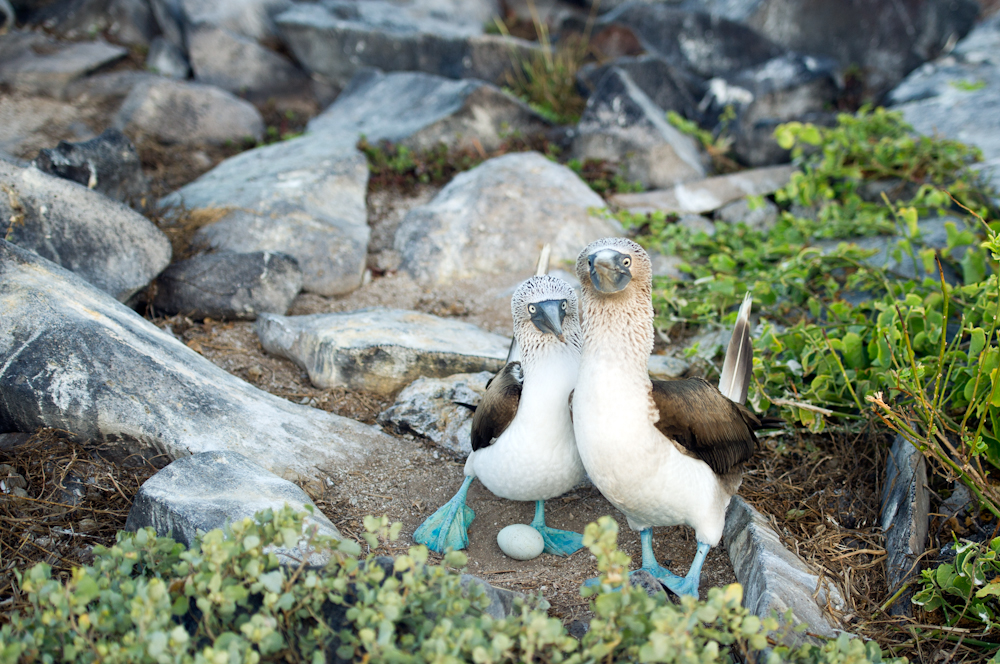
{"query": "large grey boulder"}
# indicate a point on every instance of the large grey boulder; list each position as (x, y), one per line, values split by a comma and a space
(73, 358)
(621, 124)
(108, 163)
(886, 39)
(336, 38)
(669, 87)
(46, 67)
(903, 515)
(304, 197)
(493, 219)
(228, 286)
(210, 490)
(179, 112)
(250, 18)
(439, 409)
(422, 110)
(774, 578)
(380, 350)
(129, 22)
(240, 65)
(706, 45)
(708, 194)
(110, 245)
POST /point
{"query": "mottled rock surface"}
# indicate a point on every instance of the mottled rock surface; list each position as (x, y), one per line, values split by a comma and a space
(904, 518)
(166, 59)
(73, 358)
(212, 490)
(228, 286)
(110, 245)
(439, 409)
(45, 67)
(493, 219)
(240, 65)
(380, 350)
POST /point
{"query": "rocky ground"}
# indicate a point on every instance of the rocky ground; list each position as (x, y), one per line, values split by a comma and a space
(244, 181)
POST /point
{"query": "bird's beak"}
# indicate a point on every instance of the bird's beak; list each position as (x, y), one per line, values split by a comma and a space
(548, 317)
(607, 272)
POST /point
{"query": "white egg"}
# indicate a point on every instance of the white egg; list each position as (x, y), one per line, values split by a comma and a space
(520, 542)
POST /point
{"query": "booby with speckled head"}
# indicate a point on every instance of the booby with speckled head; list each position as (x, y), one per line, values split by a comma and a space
(522, 434)
(664, 453)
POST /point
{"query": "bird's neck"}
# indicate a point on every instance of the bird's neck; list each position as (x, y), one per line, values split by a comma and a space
(618, 328)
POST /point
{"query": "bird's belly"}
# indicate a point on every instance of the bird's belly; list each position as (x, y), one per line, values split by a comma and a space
(528, 468)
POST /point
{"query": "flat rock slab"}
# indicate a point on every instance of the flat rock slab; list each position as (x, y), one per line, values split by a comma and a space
(622, 124)
(493, 219)
(304, 197)
(48, 67)
(439, 409)
(210, 490)
(336, 39)
(188, 113)
(229, 286)
(110, 245)
(242, 66)
(422, 110)
(904, 518)
(774, 578)
(708, 194)
(73, 358)
(380, 350)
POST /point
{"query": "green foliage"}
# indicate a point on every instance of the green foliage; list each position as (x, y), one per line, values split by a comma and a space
(967, 588)
(968, 86)
(718, 146)
(391, 164)
(227, 600)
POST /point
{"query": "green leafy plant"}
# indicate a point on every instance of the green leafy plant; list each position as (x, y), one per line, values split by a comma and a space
(718, 146)
(967, 588)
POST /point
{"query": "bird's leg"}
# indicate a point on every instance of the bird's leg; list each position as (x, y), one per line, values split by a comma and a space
(448, 527)
(559, 542)
(686, 585)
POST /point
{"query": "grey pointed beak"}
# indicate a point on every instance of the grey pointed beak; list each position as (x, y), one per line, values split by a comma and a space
(607, 271)
(548, 317)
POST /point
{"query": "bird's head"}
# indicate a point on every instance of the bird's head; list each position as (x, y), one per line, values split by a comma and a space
(545, 305)
(611, 264)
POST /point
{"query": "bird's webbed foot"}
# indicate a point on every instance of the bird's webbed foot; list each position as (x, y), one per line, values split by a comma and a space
(448, 527)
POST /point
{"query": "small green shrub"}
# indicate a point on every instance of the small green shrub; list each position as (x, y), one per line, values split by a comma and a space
(967, 588)
(226, 600)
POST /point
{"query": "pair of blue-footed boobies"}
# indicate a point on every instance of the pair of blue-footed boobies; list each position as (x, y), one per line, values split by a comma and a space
(663, 452)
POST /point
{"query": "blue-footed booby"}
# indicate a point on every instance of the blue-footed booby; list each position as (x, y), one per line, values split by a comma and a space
(663, 452)
(522, 434)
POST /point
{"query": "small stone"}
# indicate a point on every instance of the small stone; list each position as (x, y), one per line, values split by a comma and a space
(904, 517)
(697, 223)
(761, 217)
(641, 578)
(501, 600)
(663, 367)
(167, 60)
(666, 266)
(520, 542)
(380, 350)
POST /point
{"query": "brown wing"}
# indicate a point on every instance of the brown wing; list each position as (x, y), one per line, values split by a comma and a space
(498, 407)
(714, 429)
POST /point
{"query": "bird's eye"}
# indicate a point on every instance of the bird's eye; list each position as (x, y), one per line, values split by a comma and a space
(564, 306)
(627, 261)
(532, 309)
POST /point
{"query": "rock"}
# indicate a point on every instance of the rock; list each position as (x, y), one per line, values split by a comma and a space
(501, 600)
(439, 409)
(129, 22)
(758, 217)
(108, 89)
(622, 124)
(250, 18)
(73, 358)
(28, 123)
(520, 541)
(170, 19)
(785, 88)
(957, 502)
(669, 87)
(884, 38)
(706, 45)
(380, 350)
(337, 38)
(663, 367)
(421, 110)
(228, 286)
(10, 441)
(666, 266)
(187, 113)
(904, 518)
(48, 67)
(108, 164)
(492, 220)
(113, 247)
(166, 59)
(241, 65)
(210, 490)
(696, 223)
(774, 578)
(304, 197)
(7, 16)
(644, 579)
(708, 194)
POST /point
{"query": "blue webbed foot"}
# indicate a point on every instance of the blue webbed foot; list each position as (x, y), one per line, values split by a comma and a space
(679, 585)
(448, 527)
(560, 542)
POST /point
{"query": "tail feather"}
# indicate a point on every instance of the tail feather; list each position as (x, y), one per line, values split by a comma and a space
(738, 365)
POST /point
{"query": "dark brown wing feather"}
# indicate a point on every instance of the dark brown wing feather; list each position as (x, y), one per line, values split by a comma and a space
(498, 407)
(694, 413)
